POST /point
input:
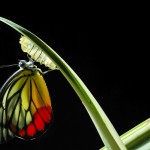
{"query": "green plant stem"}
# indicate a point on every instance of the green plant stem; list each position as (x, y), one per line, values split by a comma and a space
(138, 138)
(103, 125)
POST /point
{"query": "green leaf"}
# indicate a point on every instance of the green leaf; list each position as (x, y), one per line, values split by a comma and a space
(103, 125)
(137, 138)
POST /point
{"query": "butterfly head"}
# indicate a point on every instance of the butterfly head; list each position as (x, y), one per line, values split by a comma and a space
(23, 64)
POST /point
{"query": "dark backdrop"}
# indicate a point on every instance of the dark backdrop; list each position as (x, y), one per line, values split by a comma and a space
(108, 52)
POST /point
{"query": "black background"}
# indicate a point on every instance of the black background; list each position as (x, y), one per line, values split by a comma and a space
(108, 50)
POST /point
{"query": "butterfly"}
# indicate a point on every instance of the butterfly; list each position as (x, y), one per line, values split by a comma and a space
(25, 104)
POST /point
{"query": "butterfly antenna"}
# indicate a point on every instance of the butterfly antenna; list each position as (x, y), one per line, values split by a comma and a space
(4, 66)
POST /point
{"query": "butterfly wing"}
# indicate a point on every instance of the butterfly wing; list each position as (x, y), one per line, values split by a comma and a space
(5, 133)
(27, 104)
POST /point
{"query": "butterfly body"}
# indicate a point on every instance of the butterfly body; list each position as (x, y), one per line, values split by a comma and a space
(25, 104)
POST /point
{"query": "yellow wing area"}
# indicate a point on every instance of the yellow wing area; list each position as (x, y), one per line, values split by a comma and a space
(38, 91)
(28, 104)
(25, 106)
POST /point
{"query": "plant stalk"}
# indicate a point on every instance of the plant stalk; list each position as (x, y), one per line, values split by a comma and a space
(103, 125)
(137, 138)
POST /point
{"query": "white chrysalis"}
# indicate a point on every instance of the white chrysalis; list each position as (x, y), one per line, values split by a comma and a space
(35, 52)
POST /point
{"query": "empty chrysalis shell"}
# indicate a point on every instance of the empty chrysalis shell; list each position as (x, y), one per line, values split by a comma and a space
(35, 52)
